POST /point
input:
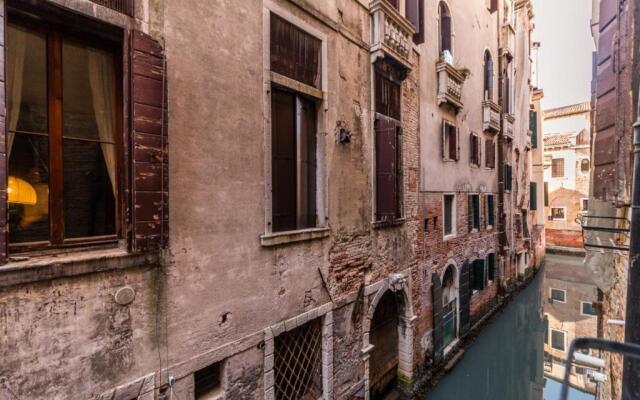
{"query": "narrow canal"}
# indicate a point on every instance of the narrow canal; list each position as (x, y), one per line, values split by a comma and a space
(513, 359)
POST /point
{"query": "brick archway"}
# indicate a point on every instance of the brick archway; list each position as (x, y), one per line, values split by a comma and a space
(399, 284)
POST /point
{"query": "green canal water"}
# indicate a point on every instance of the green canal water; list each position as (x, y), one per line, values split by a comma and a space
(506, 361)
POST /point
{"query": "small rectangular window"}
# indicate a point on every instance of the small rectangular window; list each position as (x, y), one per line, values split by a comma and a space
(508, 177)
(585, 205)
(588, 308)
(557, 168)
(558, 214)
(533, 196)
(559, 295)
(449, 214)
(491, 213)
(479, 276)
(491, 267)
(474, 147)
(208, 383)
(490, 153)
(474, 212)
(450, 147)
(558, 340)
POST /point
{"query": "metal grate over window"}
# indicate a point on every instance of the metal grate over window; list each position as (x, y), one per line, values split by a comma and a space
(297, 367)
(123, 6)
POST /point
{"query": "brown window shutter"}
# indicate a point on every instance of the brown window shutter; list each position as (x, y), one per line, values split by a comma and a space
(150, 186)
(386, 168)
(415, 14)
(445, 132)
(453, 143)
(3, 151)
(456, 147)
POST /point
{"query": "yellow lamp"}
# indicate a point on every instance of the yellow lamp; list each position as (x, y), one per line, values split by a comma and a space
(21, 192)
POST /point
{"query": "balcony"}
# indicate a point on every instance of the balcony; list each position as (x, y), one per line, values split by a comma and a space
(508, 121)
(392, 34)
(450, 81)
(491, 116)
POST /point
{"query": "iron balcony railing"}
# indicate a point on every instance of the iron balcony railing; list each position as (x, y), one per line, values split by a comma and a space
(123, 6)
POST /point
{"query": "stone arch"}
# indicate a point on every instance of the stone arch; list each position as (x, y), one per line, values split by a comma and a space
(399, 285)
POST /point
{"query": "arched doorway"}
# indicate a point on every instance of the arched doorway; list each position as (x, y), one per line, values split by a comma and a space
(384, 337)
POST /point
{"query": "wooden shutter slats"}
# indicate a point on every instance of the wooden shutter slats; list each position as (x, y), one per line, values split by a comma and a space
(465, 298)
(150, 185)
(386, 168)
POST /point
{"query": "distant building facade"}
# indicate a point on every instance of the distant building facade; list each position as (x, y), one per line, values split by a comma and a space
(567, 176)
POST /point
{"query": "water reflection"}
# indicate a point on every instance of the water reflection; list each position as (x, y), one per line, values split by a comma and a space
(519, 356)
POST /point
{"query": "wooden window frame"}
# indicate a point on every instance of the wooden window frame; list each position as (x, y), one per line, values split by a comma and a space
(55, 35)
(450, 129)
(319, 94)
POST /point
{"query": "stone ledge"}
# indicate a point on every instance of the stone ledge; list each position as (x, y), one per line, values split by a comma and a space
(282, 238)
(61, 265)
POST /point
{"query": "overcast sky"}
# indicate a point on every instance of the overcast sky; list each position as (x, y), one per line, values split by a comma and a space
(563, 30)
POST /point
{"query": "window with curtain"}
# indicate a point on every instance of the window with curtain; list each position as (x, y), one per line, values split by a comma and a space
(61, 139)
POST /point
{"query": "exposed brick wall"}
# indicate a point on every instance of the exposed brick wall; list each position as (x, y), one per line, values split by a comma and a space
(564, 238)
(435, 252)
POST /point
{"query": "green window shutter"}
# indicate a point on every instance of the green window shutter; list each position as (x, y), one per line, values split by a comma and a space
(533, 126)
(491, 260)
(533, 196)
(478, 275)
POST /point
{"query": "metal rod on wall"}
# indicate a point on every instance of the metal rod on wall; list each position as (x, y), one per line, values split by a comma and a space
(631, 374)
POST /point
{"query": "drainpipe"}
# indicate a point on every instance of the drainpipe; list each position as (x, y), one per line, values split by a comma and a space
(630, 381)
(501, 216)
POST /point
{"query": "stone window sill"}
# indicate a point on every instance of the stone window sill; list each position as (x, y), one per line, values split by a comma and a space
(287, 237)
(26, 269)
(388, 224)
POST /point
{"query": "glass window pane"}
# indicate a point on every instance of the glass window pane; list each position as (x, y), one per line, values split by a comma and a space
(26, 70)
(28, 189)
(89, 93)
(89, 201)
(89, 152)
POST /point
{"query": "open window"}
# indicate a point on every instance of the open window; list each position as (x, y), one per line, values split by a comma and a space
(295, 56)
(445, 33)
(450, 142)
(474, 212)
(474, 150)
(488, 76)
(388, 145)
(490, 153)
(449, 215)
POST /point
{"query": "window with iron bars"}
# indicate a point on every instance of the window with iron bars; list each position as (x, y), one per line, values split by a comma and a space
(123, 6)
(297, 363)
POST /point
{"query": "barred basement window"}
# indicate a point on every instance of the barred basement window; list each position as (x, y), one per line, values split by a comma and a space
(123, 6)
(208, 383)
(297, 367)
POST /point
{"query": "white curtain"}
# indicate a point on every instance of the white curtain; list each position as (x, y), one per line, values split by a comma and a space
(16, 46)
(101, 80)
